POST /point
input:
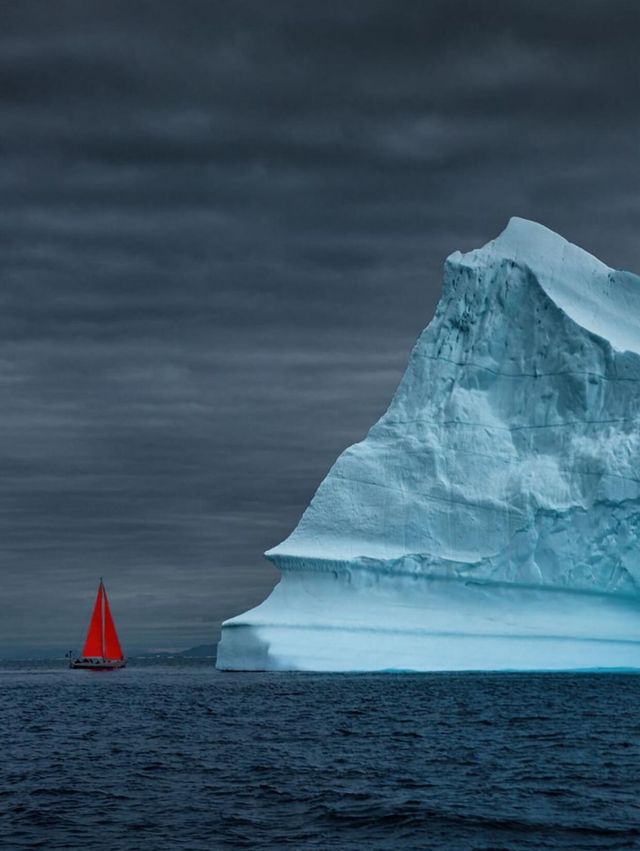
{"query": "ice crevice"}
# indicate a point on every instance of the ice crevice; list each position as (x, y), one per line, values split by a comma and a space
(446, 423)
(472, 365)
(447, 499)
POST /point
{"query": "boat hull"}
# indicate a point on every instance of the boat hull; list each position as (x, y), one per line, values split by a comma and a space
(98, 664)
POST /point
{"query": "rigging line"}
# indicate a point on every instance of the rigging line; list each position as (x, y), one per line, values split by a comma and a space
(102, 606)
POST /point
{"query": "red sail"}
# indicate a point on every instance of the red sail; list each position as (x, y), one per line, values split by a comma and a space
(112, 649)
(102, 639)
(93, 644)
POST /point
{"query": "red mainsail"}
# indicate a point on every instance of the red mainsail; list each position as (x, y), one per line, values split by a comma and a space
(102, 638)
(112, 649)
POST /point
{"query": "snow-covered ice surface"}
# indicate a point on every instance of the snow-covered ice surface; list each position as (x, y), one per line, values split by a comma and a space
(491, 518)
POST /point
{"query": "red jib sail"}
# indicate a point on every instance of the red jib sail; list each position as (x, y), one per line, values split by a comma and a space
(102, 638)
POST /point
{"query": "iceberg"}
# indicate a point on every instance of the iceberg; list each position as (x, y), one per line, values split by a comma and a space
(490, 520)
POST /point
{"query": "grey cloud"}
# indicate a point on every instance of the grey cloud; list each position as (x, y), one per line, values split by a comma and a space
(222, 227)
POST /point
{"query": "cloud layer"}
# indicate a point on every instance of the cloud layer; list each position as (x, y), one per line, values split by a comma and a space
(223, 225)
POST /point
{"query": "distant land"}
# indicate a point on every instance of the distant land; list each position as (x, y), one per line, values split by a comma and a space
(200, 651)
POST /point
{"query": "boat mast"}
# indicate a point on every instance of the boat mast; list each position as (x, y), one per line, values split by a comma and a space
(102, 605)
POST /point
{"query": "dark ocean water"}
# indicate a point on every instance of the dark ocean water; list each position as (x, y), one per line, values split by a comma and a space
(184, 757)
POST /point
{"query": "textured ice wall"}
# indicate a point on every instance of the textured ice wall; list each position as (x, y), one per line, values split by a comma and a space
(504, 481)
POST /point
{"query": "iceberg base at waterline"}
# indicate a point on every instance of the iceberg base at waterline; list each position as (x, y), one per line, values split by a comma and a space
(362, 620)
(491, 518)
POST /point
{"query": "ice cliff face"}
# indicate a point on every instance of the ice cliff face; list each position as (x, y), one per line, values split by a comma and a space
(498, 499)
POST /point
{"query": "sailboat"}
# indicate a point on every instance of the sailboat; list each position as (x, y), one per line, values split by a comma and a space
(102, 650)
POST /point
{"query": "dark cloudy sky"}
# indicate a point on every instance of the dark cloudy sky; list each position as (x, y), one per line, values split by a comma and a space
(223, 226)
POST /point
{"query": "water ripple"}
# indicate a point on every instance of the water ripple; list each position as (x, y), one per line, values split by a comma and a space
(188, 759)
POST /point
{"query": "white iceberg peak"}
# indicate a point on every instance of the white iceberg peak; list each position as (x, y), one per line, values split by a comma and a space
(529, 242)
(604, 301)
